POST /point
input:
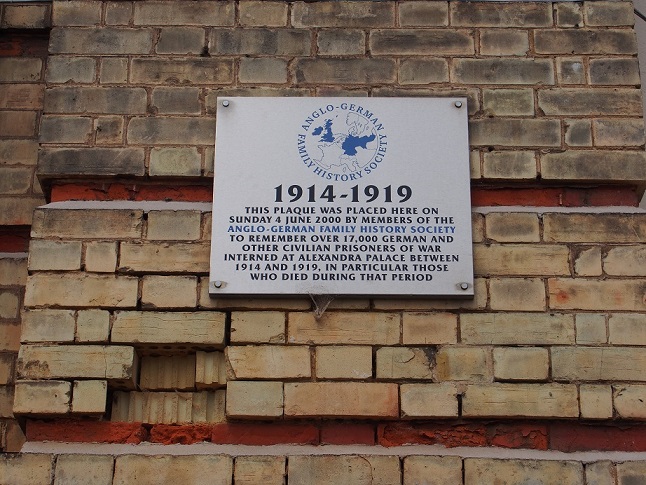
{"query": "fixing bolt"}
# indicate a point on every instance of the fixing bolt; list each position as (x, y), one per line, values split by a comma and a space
(458, 104)
(464, 286)
(217, 284)
(225, 103)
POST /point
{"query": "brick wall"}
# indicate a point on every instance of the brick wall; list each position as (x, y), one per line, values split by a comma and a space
(121, 341)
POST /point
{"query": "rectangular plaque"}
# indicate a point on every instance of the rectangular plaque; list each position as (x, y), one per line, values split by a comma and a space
(341, 196)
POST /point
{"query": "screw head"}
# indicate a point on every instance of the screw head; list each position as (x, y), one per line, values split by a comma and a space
(458, 104)
(225, 103)
(464, 286)
(217, 284)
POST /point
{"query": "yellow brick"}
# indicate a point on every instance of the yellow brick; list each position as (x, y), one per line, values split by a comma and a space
(405, 363)
(175, 372)
(48, 326)
(477, 227)
(349, 304)
(600, 473)
(13, 438)
(521, 364)
(595, 401)
(521, 400)
(604, 295)
(344, 328)
(462, 364)
(598, 363)
(26, 469)
(7, 370)
(346, 469)
(268, 362)
(199, 328)
(442, 470)
(258, 327)
(344, 362)
(9, 304)
(517, 294)
(630, 401)
(209, 407)
(165, 257)
(47, 255)
(508, 472)
(86, 223)
(189, 469)
(479, 301)
(631, 471)
(13, 270)
(520, 260)
(81, 290)
(224, 303)
(181, 225)
(517, 328)
(513, 227)
(341, 399)
(95, 469)
(89, 397)
(587, 262)
(429, 400)
(6, 401)
(251, 470)
(210, 370)
(92, 326)
(166, 407)
(429, 328)
(619, 228)
(627, 329)
(101, 256)
(626, 261)
(169, 291)
(9, 336)
(590, 328)
(254, 399)
(42, 397)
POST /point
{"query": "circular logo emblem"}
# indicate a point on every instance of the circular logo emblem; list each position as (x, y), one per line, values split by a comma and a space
(342, 142)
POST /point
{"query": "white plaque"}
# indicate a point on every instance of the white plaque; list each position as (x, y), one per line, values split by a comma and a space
(341, 196)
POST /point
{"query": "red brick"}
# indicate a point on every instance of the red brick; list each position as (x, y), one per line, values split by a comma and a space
(397, 434)
(77, 431)
(265, 434)
(570, 437)
(14, 239)
(529, 436)
(116, 191)
(555, 197)
(169, 434)
(347, 434)
(33, 43)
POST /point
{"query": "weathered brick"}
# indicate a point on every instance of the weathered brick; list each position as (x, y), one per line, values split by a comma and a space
(263, 70)
(613, 132)
(159, 291)
(614, 71)
(421, 42)
(405, 363)
(210, 370)
(206, 13)
(463, 364)
(78, 361)
(15, 180)
(268, 362)
(517, 294)
(46, 255)
(26, 16)
(492, 15)
(101, 256)
(516, 328)
(114, 70)
(516, 227)
(175, 161)
(10, 336)
(276, 42)
(101, 40)
(445, 470)
(73, 469)
(627, 329)
(350, 71)
(631, 472)
(18, 210)
(176, 100)
(18, 123)
(7, 371)
(166, 257)
(168, 407)
(181, 40)
(521, 364)
(209, 407)
(508, 102)
(22, 96)
(9, 304)
(423, 71)
(629, 401)
(607, 228)
(344, 328)
(65, 129)
(109, 130)
(173, 372)
(92, 326)
(587, 294)
(598, 364)
(569, 14)
(625, 261)
(48, 326)
(600, 473)
(587, 262)
(593, 42)
(13, 270)
(359, 470)
(250, 470)
(42, 397)
(20, 69)
(80, 290)
(507, 472)
(423, 14)
(19, 151)
(258, 327)
(608, 14)
(254, 399)
(343, 362)
(341, 42)
(89, 397)
(94, 161)
(187, 469)
(598, 101)
(590, 329)
(175, 71)
(570, 70)
(76, 13)
(517, 259)
(118, 13)
(337, 14)
(595, 401)
(199, 328)
(342, 399)
(429, 328)
(504, 42)
(515, 133)
(169, 131)
(27, 468)
(183, 225)
(255, 13)
(96, 100)
(6, 401)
